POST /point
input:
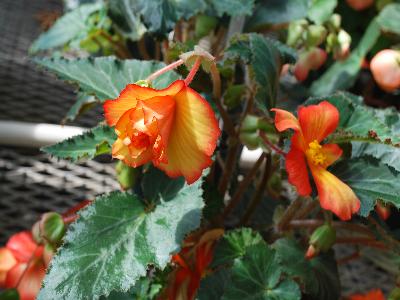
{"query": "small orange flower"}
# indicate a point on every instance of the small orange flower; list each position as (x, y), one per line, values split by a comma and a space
(22, 265)
(315, 123)
(192, 264)
(175, 128)
(371, 295)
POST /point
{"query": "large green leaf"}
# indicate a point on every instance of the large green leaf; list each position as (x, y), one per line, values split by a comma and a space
(387, 154)
(105, 77)
(342, 74)
(265, 58)
(126, 19)
(318, 277)
(269, 12)
(389, 18)
(66, 28)
(233, 7)
(161, 15)
(234, 244)
(87, 145)
(321, 10)
(114, 240)
(212, 287)
(257, 275)
(370, 180)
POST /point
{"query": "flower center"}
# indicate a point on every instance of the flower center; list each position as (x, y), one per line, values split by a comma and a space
(140, 140)
(315, 154)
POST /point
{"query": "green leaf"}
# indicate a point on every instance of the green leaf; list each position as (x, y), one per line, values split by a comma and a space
(257, 276)
(342, 74)
(234, 244)
(105, 77)
(318, 277)
(265, 57)
(82, 104)
(389, 18)
(144, 289)
(161, 15)
(212, 287)
(269, 12)
(233, 7)
(91, 143)
(321, 10)
(115, 239)
(126, 19)
(157, 185)
(370, 180)
(386, 154)
(66, 28)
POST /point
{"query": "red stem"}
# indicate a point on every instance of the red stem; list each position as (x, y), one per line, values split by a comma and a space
(271, 145)
(193, 71)
(171, 66)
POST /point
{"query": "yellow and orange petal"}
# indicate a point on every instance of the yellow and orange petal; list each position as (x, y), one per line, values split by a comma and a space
(7, 262)
(193, 136)
(334, 194)
(296, 168)
(285, 120)
(318, 121)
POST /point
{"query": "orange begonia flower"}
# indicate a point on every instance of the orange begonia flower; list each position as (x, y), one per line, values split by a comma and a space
(192, 265)
(315, 123)
(175, 128)
(371, 295)
(22, 265)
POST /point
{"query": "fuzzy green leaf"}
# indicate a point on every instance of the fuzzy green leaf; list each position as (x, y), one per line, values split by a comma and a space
(82, 104)
(65, 28)
(105, 77)
(233, 7)
(370, 180)
(114, 240)
(321, 10)
(389, 18)
(91, 143)
(257, 275)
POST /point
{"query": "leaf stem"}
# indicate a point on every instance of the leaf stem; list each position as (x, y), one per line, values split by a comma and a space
(270, 144)
(193, 71)
(230, 165)
(167, 68)
(361, 241)
(258, 195)
(243, 186)
(290, 213)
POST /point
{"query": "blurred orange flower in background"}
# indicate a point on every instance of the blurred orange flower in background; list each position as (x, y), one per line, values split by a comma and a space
(315, 123)
(22, 265)
(371, 295)
(175, 128)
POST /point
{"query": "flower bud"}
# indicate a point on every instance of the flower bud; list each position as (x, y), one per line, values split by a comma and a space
(385, 67)
(359, 4)
(126, 175)
(315, 35)
(312, 59)
(334, 22)
(9, 294)
(52, 227)
(383, 210)
(321, 240)
(342, 48)
(36, 233)
(295, 32)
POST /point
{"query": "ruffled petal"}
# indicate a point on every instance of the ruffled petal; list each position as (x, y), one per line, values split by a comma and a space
(332, 153)
(124, 153)
(334, 194)
(193, 136)
(7, 261)
(31, 282)
(285, 120)
(22, 246)
(114, 109)
(318, 121)
(296, 168)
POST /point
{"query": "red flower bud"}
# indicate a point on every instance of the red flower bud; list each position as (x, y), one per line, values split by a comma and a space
(385, 67)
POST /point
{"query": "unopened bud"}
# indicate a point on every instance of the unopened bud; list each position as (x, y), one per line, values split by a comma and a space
(52, 227)
(126, 175)
(311, 252)
(383, 210)
(322, 239)
(295, 32)
(315, 35)
(334, 22)
(36, 233)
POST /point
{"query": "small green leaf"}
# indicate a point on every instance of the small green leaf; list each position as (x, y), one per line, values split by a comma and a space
(319, 277)
(105, 77)
(265, 57)
(370, 180)
(234, 244)
(82, 104)
(389, 18)
(257, 275)
(92, 143)
(66, 28)
(342, 74)
(269, 12)
(114, 241)
(321, 10)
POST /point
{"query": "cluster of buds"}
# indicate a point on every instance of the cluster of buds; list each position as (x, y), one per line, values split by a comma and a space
(309, 37)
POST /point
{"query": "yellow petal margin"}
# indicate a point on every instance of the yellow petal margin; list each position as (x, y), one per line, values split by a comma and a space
(193, 137)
